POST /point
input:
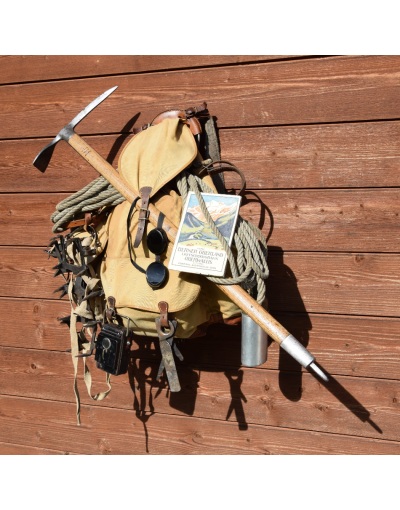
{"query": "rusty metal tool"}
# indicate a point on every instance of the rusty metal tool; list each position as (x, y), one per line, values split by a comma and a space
(64, 266)
(177, 353)
(236, 293)
(166, 338)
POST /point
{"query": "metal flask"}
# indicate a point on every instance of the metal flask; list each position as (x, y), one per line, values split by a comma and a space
(254, 343)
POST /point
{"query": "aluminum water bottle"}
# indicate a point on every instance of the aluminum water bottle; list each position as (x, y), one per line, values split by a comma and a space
(254, 343)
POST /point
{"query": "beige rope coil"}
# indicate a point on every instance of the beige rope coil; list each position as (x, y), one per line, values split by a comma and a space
(249, 269)
(98, 193)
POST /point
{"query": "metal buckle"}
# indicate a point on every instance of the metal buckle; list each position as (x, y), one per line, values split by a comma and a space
(147, 213)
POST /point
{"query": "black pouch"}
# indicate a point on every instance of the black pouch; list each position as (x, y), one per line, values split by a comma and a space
(112, 349)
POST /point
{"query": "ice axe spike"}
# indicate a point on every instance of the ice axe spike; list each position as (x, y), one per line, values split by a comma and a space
(43, 158)
(238, 295)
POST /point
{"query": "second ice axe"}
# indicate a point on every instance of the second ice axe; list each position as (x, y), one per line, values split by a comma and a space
(238, 295)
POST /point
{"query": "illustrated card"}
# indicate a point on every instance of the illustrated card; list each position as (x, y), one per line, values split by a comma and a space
(197, 249)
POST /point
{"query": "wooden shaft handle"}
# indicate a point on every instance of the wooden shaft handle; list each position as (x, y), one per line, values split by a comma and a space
(101, 165)
(106, 170)
(234, 292)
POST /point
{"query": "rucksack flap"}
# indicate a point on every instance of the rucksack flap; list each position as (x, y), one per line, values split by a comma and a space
(190, 298)
(155, 156)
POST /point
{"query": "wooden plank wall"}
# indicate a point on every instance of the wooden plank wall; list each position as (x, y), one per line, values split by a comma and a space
(319, 141)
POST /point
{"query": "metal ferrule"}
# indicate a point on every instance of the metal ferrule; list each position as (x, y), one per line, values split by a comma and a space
(297, 351)
(254, 343)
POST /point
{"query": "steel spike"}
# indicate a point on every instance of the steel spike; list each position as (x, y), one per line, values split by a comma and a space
(318, 371)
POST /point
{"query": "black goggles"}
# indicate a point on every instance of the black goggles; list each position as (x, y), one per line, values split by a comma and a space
(157, 242)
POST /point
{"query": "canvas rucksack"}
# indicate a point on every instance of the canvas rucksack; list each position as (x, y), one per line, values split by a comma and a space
(160, 163)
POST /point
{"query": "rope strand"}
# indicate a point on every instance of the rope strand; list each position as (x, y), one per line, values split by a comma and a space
(249, 268)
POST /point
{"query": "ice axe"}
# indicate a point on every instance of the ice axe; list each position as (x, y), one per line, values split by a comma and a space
(238, 295)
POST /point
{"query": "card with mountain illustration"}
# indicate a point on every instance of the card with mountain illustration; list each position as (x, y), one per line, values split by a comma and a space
(197, 249)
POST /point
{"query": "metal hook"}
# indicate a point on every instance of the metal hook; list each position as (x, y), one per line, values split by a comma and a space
(126, 317)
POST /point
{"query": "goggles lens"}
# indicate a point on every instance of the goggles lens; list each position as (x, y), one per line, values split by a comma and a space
(157, 241)
(156, 274)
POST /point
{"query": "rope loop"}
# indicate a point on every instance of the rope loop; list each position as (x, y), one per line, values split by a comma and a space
(248, 265)
(249, 269)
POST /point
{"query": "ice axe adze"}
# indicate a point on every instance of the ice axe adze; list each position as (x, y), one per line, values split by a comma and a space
(43, 158)
(238, 295)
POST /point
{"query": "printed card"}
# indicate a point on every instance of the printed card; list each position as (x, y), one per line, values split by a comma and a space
(197, 249)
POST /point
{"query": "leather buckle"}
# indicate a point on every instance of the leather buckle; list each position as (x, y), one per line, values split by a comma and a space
(190, 112)
(147, 213)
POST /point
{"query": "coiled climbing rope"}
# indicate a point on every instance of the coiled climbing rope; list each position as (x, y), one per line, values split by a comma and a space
(249, 269)
(98, 193)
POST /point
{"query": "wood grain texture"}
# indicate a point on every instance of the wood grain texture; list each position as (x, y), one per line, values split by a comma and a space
(327, 196)
(355, 284)
(343, 345)
(25, 68)
(67, 171)
(327, 220)
(248, 396)
(297, 92)
(38, 327)
(334, 283)
(19, 449)
(324, 156)
(294, 220)
(47, 424)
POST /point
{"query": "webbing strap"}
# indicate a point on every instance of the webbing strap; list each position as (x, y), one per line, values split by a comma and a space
(74, 352)
(87, 377)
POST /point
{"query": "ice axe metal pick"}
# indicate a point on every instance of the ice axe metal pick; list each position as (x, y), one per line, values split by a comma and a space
(235, 292)
(43, 158)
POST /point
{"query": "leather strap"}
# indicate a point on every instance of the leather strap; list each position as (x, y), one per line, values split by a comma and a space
(224, 166)
(160, 222)
(187, 117)
(88, 219)
(163, 307)
(194, 125)
(143, 214)
(110, 310)
(94, 220)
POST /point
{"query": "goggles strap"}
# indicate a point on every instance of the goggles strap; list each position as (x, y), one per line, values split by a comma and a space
(160, 222)
(128, 224)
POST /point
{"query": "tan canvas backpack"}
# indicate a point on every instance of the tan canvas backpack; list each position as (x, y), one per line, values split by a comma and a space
(157, 164)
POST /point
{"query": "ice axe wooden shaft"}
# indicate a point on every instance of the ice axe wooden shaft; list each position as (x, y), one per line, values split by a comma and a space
(238, 295)
(235, 292)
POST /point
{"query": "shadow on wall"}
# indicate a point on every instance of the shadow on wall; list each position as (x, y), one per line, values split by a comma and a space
(221, 347)
(283, 294)
(125, 133)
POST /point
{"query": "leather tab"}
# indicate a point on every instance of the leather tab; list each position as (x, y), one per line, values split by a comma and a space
(143, 214)
(194, 125)
(94, 221)
(163, 307)
(110, 310)
(196, 109)
(88, 219)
